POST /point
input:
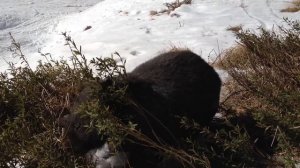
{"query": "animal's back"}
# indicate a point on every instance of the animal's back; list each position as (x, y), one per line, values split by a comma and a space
(187, 82)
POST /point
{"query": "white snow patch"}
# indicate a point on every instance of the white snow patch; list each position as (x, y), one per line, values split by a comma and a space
(128, 28)
(104, 158)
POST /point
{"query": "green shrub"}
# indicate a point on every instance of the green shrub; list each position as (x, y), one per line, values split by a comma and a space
(265, 81)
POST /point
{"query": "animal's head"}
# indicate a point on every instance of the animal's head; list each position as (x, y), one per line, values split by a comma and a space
(77, 136)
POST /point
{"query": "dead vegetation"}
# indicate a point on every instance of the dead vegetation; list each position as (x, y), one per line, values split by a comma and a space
(295, 7)
(235, 29)
(170, 7)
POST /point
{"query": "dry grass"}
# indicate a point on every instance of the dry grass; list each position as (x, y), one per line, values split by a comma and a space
(235, 28)
(234, 54)
(153, 13)
(170, 7)
(294, 8)
(290, 9)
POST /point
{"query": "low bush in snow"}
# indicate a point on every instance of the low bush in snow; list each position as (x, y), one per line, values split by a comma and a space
(264, 81)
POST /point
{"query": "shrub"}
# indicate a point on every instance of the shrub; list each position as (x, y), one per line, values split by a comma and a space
(265, 81)
(31, 101)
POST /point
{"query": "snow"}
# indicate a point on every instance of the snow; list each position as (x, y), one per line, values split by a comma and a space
(103, 157)
(31, 22)
(128, 28)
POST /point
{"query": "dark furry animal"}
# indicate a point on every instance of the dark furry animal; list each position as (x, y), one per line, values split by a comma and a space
(78, 137)
(188, 84)
(176, 83)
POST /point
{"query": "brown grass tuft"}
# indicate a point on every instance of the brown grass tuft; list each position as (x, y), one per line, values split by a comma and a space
(290, 9)
(294, 8)
(153, 13)
(235, 28)
(171, 7)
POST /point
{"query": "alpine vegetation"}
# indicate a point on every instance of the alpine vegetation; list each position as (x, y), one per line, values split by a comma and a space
(81, 113)
(264, 85)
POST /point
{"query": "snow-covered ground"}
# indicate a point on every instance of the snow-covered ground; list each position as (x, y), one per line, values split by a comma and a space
(32, 22)
(127, 27)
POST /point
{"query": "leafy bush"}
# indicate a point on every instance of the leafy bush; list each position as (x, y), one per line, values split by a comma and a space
(31, 102)
(265, 81)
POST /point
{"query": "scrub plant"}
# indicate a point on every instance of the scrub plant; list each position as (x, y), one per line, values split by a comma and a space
(264, 81)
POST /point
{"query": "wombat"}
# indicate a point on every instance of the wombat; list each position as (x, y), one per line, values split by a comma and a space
(173, 84)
